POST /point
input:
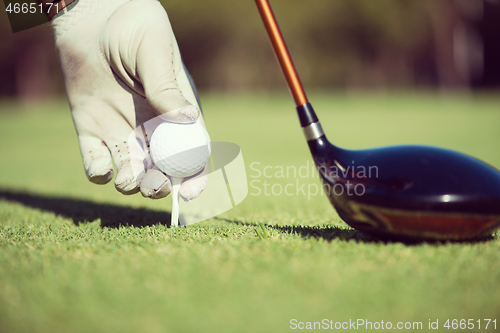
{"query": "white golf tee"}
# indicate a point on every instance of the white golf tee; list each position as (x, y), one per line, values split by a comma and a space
(176, 185)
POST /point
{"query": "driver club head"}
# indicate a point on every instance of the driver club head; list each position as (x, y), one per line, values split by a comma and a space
(408, 192)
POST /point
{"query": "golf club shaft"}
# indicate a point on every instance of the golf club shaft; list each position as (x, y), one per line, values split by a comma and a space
(282, 53)
(307, 116)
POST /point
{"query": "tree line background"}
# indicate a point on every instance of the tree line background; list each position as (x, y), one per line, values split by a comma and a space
(336, 44)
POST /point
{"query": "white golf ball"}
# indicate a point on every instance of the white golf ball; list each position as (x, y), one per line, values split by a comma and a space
(180, 150)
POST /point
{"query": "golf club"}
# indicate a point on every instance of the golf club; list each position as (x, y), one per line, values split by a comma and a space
(396, 192)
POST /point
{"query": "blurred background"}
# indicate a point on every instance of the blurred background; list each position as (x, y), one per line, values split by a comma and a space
(336, 44)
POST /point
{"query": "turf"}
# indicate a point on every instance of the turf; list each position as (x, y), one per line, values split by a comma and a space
(77, 257)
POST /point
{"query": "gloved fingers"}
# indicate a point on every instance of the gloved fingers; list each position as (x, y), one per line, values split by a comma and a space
(192, 187)
(106, 136)
(96, 159)
(130, 161)
(99, 166)
(159, 65)
(126, 182)
(155, 184)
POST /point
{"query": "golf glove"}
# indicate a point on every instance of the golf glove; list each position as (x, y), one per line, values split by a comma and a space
(122, 68)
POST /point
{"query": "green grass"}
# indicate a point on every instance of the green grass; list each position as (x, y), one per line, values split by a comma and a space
(77, 257)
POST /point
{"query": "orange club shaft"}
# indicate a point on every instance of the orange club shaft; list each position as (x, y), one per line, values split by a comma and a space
(281, 51)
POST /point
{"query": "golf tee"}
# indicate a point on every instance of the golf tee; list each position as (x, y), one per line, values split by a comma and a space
(176, 184)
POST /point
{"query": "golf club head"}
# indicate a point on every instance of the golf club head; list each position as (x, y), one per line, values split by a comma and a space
(410, 192)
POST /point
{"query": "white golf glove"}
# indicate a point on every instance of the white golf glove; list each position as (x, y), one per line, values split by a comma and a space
(122, 67)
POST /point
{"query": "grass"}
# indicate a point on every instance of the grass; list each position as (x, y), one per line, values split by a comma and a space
(77, 257)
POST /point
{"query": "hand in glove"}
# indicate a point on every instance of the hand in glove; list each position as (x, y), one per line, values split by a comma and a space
(122, 67)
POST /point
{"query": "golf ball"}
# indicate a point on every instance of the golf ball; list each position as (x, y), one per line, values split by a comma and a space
(180, 150)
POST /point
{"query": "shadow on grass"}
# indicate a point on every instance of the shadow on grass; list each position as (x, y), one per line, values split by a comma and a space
(327, 233)
(81, 211)
(333, 232)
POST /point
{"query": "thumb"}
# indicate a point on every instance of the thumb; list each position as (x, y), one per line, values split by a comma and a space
(159, 65)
